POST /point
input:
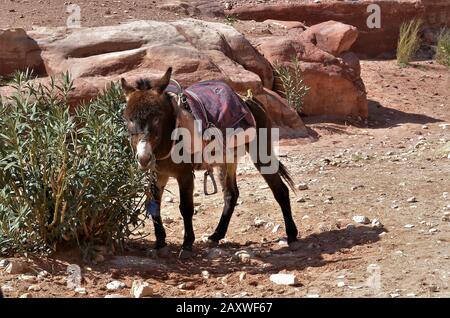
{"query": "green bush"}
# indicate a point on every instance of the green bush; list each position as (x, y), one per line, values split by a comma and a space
(408, 42)
(443, 47)
(65, 176)
(294, 89)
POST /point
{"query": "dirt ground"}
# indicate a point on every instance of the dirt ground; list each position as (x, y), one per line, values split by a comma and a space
(368, 169)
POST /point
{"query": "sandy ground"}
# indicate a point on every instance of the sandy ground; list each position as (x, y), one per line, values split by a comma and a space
(371, 169)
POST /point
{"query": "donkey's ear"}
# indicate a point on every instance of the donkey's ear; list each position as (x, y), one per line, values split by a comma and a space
(127, 88)
(162, 83)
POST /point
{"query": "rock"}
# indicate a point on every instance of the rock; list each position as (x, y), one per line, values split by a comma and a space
(275, 228)
(73, 276)
(264, 186)
(242, 276)
(243, 256)
(409, 226)
(206, 274)
(376, 223)
(282, 116)
(312, 296)
(16, 267)
(3, 263)
(177, 7)
(372, 40)
(7, 288)
(115, 284)
(115, 296)
(301, 200)
(289, 25)
(302, 186)
(216, 253)
(26, 295)
(332, 36)
(259, 222)
(283, 242)
(411, 200)
(433, 230)
(35, 288)
(18, 51)
(340, 284)
(81, 290)
(27, 278)
(197, 50)
(187, 286)
(361, 219)
(284, 279)
(42, 274)
(168, 220)
(141, 289)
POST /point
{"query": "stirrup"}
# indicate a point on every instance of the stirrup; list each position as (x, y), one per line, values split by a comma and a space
(205, 182)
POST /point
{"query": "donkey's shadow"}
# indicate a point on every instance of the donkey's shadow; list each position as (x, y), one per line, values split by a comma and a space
(266, 258)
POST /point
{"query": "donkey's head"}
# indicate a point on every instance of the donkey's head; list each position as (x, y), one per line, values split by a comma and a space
(148, 113)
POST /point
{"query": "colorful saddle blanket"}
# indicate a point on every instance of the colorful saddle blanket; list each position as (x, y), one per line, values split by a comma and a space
(215, 104)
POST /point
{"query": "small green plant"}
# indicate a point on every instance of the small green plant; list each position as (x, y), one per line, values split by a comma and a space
(443, 47)
(408, 42)
(294, 89)
(231, 18)
(65, 176)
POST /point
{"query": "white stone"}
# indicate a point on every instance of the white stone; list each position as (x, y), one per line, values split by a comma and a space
(411, 200)
(284, 279)
(275, 228)
(340, 284)
(302, 186)
(376, 223)
(243, 256)
(114, 285)
(35, 288)
(242, 276)
(259, 222)
(361, 219)
(115, 296)
(27, 278)
(73, 276)
(409, 226)
(205, 274)
(313, 296)
(433, 230)
(141, 289)
(81, 290)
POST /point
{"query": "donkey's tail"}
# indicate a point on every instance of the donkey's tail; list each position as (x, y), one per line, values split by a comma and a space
(263, 121)
(286, 176)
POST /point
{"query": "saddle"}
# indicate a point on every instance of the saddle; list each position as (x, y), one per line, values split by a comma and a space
(214, 104)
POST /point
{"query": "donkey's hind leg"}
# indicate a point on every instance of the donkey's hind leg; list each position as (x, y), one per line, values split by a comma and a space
(281, 194)
(230, 196)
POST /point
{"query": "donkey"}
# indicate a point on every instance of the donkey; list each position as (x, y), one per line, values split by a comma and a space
(150, 115)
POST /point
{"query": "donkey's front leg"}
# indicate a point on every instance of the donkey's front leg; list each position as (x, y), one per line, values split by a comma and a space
(186, 186)
(153, 208)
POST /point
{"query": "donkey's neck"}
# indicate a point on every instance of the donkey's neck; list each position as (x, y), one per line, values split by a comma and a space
(169, 123)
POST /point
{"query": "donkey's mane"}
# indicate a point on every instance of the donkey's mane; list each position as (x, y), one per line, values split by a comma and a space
(143, 84)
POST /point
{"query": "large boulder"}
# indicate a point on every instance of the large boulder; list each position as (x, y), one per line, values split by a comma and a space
(95, 57)
(18, 52)
(333, 37)
(372, 41)
(335, 85)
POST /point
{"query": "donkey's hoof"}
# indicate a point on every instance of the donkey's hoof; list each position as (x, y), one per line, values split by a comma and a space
(185, 254)
(212, 243)
(295, 245)
(163, 252)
